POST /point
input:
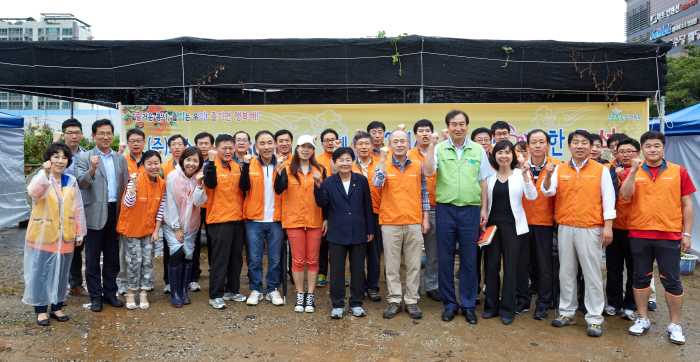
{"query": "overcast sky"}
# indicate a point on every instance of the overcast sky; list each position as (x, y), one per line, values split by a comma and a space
(566, 20)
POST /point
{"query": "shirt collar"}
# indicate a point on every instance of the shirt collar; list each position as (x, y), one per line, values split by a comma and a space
(395, 162)
(273, 162)
(529, 160)
(104, 154)
(572, 164)
(466, 144)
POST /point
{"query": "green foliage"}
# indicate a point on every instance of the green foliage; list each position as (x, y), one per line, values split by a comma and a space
(508, 50)
(34, 145)
(396, 58)
(31, 19)
(380, 34)
(683, 81)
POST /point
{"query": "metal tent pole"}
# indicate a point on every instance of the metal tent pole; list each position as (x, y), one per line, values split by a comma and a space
(662, 113)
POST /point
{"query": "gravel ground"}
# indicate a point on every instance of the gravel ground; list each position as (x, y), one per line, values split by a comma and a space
(269, 332)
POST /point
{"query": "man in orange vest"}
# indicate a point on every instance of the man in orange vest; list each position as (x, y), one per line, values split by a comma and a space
(540, 221)
(584, 207)
(328, 141)
(423, 131)
(263, 214)
(403, 187)
(660, 223)
(226, 225)
(283, 142)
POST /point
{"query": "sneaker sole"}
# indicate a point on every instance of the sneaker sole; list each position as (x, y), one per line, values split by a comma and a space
(593, 334)
(562, 326)
(299, 310)
(638, 334)
(224, 307)
(358, 315)
(676, 342)
(388, 316)
(309, 311)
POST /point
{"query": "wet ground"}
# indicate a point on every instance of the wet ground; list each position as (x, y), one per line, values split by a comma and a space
(267, 332)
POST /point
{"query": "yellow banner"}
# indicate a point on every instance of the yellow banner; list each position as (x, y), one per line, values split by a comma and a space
(161, 122)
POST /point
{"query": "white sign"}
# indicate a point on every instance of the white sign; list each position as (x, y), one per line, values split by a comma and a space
(672, 11)
(683, 39)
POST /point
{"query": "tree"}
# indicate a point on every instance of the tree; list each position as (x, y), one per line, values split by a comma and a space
(31, 19)
(683, 81)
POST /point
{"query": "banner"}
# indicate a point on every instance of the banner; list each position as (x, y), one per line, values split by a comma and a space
(558, 119)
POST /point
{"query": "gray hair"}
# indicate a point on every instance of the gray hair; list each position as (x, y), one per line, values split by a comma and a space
(398, 130)
(360, 136)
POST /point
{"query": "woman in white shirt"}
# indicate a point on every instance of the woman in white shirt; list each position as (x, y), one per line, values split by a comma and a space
(505, 209)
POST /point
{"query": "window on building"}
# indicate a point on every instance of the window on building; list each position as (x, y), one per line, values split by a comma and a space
(3, 39)
(15, 96)
(3, 32)
(28, 31)
(638, 18)
(3, 105)
(65, 105)
(15, 31)
(67, 38)
(40, 32)
(3, 96)
(15, 39)
(52, 38)
(14, 105)
(51, 105)
(65, 32)
(52, 31)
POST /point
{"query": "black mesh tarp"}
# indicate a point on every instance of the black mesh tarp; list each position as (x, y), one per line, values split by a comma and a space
(333, 70)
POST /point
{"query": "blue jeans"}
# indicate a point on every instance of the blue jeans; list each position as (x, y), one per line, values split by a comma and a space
(257, 233)
(454, 225)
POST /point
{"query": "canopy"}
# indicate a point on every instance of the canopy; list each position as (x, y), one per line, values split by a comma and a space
(13, 204)
(685, 122)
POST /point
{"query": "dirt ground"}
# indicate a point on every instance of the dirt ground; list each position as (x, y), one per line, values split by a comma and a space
(267, 332)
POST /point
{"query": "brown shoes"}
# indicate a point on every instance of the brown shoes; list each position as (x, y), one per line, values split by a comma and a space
(79, 291)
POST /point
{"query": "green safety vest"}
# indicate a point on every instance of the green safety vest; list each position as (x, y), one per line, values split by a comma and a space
(457, 181)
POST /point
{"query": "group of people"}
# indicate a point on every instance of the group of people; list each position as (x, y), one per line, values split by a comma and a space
(356, 203)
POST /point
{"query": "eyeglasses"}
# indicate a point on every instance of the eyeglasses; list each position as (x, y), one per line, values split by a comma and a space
(133, 142)
(238, 140)
(482, 140)
(179, 144)
(501, 134)
(71, 134)
(625, 153)
(328, 141)
(105, 134)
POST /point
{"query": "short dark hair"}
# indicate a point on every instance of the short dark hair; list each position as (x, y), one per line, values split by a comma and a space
(653, 135)
(150, 153)
(189, 151)
(361, 135)
(71, 122)
(280, 133)
(327, 131)
(454, 114)
(537, 130)
(264, 132)
(376, 124)
(499, 125)
(239, 132)
(342, 151)
(579, 132)
(99, 123)
(422, 123)
(617, 137)
(596, 137)
(58, 147)
(172, 138)
(630, 141)
(204, 135)
(135, 131)
(223, 138)
(481, 130)
(500, 146)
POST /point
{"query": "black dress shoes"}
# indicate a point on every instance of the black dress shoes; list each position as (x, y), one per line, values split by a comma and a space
(488, 315)
(63, 318)
(44, 322)
(96, 304)
(433, 294)
(506, 321)
(113, 301)
(470, 316)
(448, 315)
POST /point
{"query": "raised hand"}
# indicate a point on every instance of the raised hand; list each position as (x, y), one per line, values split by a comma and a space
(383, 152)
(524, 168)
(94, 162)
(445, 134)
(200, 178)
(619, 171)
(247, 158)
(212, 155)
(317, 178)
(434, 139)
(359, 130)
(636, 162)
(57, 136)
(550, 169)
(134, 177)
(122, 147)
(401, 127)
(47, 167)
(337, 144)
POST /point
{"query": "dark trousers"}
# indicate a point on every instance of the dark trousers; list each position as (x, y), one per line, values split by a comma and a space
(455, 224)
(76, 267)
(533, 270)
(44, 308)
(337, 254)
(617, 254)
(506, 242)
(226, 240)
(374, 255)
(196, 269)
(538, 246)
(323, 257)
(102, 242)
(166, 261)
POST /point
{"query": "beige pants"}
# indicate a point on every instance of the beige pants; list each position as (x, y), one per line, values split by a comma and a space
(410, 238)
(581, 246)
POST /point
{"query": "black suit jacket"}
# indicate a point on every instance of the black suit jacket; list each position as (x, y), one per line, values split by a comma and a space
(350, 216)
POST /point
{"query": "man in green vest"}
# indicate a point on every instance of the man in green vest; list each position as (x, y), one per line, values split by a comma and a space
(461, 195)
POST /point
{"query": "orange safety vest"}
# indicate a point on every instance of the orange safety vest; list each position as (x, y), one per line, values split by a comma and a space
(299, 208)
(133, 166)
(401, 195)
(541, 210)
(325, 159)
(167, 167)
(656, 205)
(417, 156)
(225, 202)
(622, 208)
(578, 199)
(254, 204)
(373, 190)
(140, 220)
(45, 222)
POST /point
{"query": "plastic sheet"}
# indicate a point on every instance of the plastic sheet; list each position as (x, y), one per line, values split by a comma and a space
(13, 205)
(57, 222)
(182, 202)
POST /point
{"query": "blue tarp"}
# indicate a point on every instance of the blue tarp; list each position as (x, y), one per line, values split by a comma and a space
(10, 121)
(685, 122)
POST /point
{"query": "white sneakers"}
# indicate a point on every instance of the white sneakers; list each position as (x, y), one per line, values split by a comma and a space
(628, 314)
(194, 287)
(254, 298)
(217, 303)
(234, 297)
(166, 290)
(275, 297)
(675, 332)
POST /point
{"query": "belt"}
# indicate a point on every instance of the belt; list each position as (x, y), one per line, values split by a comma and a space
(111, 204)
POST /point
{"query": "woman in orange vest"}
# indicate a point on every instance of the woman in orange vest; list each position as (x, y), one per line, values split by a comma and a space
(302, 218)
(55, 227)
(139, 222)
(184, 195)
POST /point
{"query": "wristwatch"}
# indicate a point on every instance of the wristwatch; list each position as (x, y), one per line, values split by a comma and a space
(686, 234)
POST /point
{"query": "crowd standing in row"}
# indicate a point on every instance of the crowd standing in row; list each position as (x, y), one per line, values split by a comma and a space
(355, 203)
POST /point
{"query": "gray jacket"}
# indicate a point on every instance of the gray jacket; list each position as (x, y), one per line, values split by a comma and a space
(95, 190)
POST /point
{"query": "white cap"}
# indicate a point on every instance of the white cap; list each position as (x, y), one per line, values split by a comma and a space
(306, 139)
